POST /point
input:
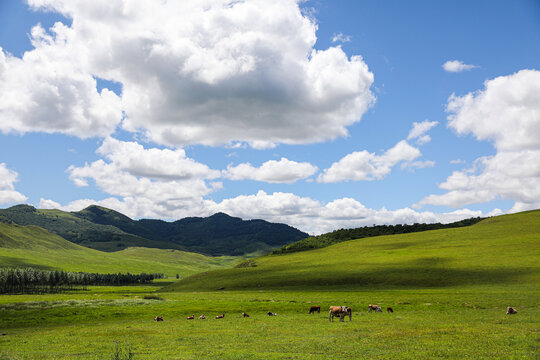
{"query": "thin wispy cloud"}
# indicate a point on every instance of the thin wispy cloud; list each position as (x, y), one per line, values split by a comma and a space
(339, 37)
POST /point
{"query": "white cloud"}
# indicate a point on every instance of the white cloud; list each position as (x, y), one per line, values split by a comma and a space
(457, 161)
(282, 171)
(457, 66)
(363, 165)
(506, 112)
(51, 89)
(153, 163)
(192, 72)
(419, 130)
(162, 180)
(315, 218)
(8, 178)
(341, 38)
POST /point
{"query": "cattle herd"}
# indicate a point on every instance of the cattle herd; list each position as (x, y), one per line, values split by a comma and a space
(335, 311)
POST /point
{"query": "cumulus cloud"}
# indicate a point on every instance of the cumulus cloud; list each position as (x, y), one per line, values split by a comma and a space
(192, 72)
(304, 213)
(506, 112)
(153, 163)
(282, 171)
(457, 66)
(165, 181)
(363, 165)
(50, 89)
(8, 194)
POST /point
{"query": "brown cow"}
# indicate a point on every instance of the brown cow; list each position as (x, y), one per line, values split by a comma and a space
(376, 308)
(220, 316)
(191, 317)
(202, 317)
(245, 315)
(510, 310)
(389, 309)
(315, 308)
(158, 318)
(340, 311)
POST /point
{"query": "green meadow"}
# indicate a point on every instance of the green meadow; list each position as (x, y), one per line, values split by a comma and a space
(32, 246)
(449, 290)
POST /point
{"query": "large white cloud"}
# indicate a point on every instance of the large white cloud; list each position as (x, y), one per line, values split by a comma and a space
(164, 181)
(207, 71)
(506, 112)
(52, 90)
(8, 194)
(272, 171)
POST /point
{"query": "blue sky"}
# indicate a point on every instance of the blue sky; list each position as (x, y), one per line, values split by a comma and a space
(319, 114)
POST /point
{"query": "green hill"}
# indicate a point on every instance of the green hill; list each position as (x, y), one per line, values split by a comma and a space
(108, 230)
(79, 230)
(498, 250)
(32, 246)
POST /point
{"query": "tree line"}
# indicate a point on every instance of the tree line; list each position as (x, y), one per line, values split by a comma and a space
(337, 236)
(31, 280)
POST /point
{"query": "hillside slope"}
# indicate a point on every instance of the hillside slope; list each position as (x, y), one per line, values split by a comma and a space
(214, 235)
(502, 249)
(32, 246)
(108, 230)
(79, 230)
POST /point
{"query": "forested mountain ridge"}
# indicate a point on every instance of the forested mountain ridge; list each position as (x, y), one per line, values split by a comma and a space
(108, 230)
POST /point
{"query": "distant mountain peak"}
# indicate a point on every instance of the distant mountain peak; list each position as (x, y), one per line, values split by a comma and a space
(22, 207)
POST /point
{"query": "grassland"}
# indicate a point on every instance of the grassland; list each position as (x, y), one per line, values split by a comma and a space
(500, 250)
(452, 323)
(32, 246)
(449, 290)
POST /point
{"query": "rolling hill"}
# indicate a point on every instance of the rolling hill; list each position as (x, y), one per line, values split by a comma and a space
(32, 246)
(108, 230)
(498, 250)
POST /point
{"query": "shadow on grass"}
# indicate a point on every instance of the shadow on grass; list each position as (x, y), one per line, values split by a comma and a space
(426, 272)
(7, 261)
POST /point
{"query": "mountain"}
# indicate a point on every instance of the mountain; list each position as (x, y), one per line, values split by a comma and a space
(32, 246)
(496, 251)
(79, 230)
(108, 230)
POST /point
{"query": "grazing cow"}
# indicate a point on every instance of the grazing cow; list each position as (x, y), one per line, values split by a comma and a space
(389, 309)
(158, 318)
(315, 308)
(245, 315)
(510, 310)
(220, 316)
(202, 317)
(271, 313)
(376, 308)
(191, 317)
(340, 311)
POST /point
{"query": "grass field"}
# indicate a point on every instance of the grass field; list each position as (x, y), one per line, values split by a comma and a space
(32, 246)
(500, 250)
(456, 323)
(449, 290)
